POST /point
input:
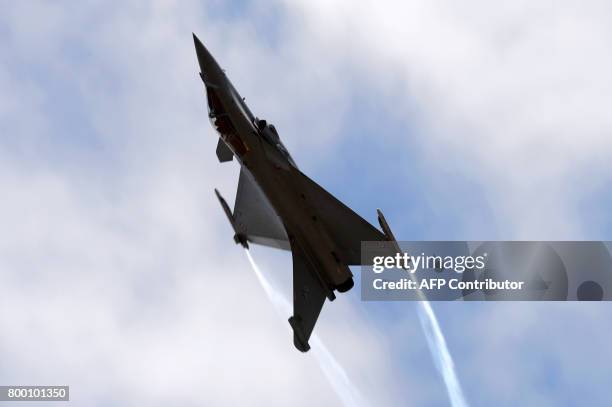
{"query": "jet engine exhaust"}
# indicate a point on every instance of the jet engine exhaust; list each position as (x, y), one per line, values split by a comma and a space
(333, 371)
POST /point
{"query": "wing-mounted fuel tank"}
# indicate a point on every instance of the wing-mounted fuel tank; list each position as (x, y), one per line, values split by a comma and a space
(387, 229)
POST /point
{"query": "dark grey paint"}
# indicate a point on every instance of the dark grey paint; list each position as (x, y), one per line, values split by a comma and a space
(277, 205)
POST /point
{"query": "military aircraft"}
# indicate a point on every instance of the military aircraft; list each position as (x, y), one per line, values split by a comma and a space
(277, 205)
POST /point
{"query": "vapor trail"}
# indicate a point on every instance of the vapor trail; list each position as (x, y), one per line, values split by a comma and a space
(335, 373)
(440, 353)
(431, 328)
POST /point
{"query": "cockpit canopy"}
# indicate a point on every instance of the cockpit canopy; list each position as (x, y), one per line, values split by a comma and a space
(268, 131)
(270, 135)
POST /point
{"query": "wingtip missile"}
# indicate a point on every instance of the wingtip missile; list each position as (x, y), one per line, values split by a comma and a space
(387, 230)
(239, 238)
(384, 225)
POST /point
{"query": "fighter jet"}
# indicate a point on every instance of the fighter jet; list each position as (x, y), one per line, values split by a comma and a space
(278, 206)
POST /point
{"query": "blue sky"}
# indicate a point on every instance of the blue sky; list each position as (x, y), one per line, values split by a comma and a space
(484, 121)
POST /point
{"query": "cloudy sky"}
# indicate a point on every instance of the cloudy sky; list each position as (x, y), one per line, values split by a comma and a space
(474, 120)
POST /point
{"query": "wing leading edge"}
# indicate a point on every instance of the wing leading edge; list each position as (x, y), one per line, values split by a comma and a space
(346, 228)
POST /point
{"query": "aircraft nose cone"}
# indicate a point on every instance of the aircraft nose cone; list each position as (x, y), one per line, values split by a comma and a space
(208, 65)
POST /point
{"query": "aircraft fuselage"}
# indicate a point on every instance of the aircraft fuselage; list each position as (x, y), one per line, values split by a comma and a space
(260, 151)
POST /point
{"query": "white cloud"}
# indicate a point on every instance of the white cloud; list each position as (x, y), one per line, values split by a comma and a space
(117, 265)
(515, 96)
(119, 275)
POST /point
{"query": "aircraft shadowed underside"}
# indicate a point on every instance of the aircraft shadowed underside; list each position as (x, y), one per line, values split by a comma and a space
(278, 206)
